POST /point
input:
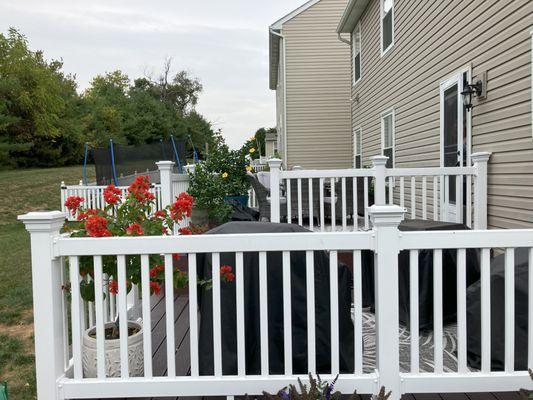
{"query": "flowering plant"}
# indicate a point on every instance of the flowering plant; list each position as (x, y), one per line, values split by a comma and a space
(221, 176)
(132, 215)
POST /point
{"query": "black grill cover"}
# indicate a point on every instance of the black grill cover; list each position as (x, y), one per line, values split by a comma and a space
(275, 309)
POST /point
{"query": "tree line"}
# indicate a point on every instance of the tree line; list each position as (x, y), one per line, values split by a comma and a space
(45, 121)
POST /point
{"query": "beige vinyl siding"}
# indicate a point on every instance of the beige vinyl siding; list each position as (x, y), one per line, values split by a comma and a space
(318, 89)
(432, 41)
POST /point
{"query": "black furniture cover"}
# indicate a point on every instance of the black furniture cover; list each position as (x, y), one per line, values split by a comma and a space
(425, 276)
(275, 309)
(497, 301)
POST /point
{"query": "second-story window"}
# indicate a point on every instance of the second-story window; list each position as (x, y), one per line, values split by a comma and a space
(387, 25)
(357, 148)
(356, 53)
(387, 136)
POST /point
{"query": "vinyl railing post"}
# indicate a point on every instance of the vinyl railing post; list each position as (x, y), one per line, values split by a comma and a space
(480, 162)
(189, 169)
(379, 163)
(48, 315)
(63, 196)
(385, 221)
(165, 173)
(275, 195)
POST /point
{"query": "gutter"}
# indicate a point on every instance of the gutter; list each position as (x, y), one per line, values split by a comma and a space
(348, 42)
(283, 61)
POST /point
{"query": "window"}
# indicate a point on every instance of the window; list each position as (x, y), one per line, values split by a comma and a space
(387, 25)
(387, 136)
(356, 53)
(357, 148)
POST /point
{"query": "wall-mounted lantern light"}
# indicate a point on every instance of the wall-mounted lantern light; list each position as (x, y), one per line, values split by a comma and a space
(477, 89)
(469, 92)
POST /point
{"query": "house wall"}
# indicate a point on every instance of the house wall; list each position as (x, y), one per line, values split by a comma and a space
(318, 88)
(432, 41)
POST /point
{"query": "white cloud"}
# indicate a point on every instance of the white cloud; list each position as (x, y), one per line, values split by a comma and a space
(223, 43)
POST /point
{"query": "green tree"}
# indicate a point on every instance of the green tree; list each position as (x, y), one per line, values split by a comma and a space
(257, 142)
(104, 107)
(39, 123)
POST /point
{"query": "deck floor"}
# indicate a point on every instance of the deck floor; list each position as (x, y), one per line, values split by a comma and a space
(181, 327)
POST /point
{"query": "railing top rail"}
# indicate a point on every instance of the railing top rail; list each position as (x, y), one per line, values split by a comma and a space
(180, 177)
(214, 243)
(370, 172)
(476, 239)
(431, 171)
(327, 173)
(88, 187)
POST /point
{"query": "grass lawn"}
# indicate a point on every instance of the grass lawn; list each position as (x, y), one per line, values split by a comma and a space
(23, 191)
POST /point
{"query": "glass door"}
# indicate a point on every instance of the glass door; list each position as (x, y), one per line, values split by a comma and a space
(455, 144)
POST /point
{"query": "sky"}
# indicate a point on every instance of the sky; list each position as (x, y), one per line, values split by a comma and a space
(224, 43)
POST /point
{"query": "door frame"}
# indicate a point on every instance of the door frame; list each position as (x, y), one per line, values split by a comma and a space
(454, 213)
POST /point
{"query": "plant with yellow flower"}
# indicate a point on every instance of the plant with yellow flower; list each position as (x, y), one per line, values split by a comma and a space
(249, 168)
(225, 175)
(252, 150)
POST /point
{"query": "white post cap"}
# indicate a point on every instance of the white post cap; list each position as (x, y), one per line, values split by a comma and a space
(481, 156)
(379, 160)
(162, 165)
(386, 215)
(274, 163)
(189, 168)
(43, 221)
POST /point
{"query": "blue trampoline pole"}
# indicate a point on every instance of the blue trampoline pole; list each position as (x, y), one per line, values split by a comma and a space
(112, 151)
(194, 153)
(85, 163)
(176, 153)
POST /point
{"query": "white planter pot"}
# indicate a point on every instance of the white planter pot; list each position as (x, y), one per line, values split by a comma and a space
(112, 354)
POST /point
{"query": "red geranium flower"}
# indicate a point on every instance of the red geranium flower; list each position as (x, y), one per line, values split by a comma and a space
(155, 288)
(134, 230)
(140, 189)
(161, 214)
(184, 231)
(176, 256)
(112, 194)
(113, 287)
(97, 227)
(182, 207)
(82, 216)
(73, 203)
(226, 273)
(156, 270)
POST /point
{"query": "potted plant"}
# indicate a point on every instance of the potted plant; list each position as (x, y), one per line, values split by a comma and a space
(134, 215)
(216, 182)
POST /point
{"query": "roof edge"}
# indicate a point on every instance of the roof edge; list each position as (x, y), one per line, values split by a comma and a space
(352, 14)
(279, 23)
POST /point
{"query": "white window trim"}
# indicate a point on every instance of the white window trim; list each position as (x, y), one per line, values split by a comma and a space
(357, 146)
(383, 115)
(357, 28)
(385, 51)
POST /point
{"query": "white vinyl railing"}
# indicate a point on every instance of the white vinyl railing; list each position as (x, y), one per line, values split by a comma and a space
(171, 185)
(330, 200)
(94, 196)
(59, 322)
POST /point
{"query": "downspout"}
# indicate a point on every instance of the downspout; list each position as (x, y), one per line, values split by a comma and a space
(283, 60)
(348, 42)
